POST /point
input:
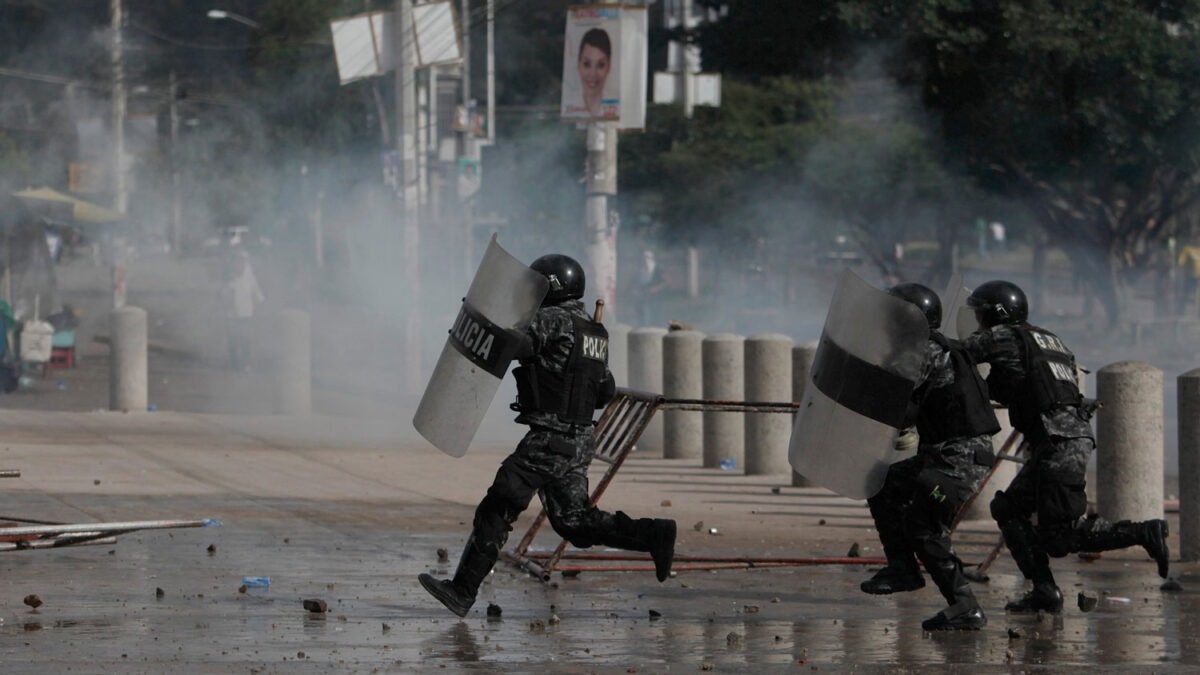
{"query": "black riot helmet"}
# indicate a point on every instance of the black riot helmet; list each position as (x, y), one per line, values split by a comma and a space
(924, 298)
(565, 275)
(997, 302)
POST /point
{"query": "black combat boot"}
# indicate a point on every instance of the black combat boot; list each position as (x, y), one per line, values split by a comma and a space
(1095, 534)
(662, 547)
(895, 578)
(964, 612)
(459, 594)
(1044, 597)
(901, 573)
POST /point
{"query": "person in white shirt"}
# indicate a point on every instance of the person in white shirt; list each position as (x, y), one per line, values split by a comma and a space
(240, 294)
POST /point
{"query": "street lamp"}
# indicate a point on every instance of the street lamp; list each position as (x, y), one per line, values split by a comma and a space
(219, 14)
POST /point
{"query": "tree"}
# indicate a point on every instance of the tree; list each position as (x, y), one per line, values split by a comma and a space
(1086, 109)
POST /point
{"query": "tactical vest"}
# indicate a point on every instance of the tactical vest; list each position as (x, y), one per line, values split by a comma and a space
(961, 409)
(572, 393)
(1050, 378)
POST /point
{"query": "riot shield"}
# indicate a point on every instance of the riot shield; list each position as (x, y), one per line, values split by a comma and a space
(958, 320)
(504, 295)
(866, 367)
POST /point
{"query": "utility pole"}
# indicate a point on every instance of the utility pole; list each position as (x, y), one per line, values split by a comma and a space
(601, 169)
(116, 254)
(491, 72)
(406, 132)
(121, 197)
(176, 187)
(686, 69)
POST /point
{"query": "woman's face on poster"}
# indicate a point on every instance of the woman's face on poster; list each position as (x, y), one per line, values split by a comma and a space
(593, 69)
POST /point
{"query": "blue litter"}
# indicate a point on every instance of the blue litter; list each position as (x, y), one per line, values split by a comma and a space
(152, 407)
(728, 464)
(212, 522)
(256, 582)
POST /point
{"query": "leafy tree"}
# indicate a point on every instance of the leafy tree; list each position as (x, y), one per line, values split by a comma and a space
(1087, 109)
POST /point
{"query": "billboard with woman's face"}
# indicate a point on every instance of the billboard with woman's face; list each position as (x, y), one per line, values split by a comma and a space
(591, 72)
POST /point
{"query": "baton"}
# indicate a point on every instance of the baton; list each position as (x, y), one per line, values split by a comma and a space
(599, 311)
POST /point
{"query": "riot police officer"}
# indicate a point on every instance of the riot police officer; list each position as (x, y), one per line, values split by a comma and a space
(1033, 373)
(562, 379)
(922, 494)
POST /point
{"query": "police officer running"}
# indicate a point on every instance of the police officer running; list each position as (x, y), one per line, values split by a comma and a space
(922, 494)
(562, 379)
(1033, 373)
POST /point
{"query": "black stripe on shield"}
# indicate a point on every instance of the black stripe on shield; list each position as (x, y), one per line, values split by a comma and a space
(859, 385)
(483, 343)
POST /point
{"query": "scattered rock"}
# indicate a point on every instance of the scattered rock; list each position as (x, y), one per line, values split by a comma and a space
(494, 611)
(665, 502)
(443, 555)
(655, 615)
(733, 639)
(1014, 634)
(96, 482)
(775, 490)
(159, 593)
(386, 627)
(212, 549)
(698, 526)
(708, 665)
(821, 521)
(537, 626)
(713, 531)
(750, 609)
(1086, 602)
(775, 601)
(316, 606)
(33, 600)
(554, 620)
(853, 552)
(242, 588)
(1171, 585)
(1009, 657)
(31, 626)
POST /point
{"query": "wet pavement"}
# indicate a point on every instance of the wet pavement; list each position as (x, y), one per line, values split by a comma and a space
(101, 613)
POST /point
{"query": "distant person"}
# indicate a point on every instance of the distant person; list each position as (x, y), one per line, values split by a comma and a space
(240, 294)
(1189, 259)
(594, 63)
(649, 285)
(981, 234)
(999, 236)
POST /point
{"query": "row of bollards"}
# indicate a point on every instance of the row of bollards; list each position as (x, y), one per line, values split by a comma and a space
(687, 364)
(128, 380)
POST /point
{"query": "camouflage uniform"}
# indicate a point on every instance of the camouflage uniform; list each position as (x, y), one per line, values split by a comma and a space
(922, 495)
(551, 460)
(1052, 483)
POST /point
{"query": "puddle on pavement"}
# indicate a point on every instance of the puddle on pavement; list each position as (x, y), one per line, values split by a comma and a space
(101, 613)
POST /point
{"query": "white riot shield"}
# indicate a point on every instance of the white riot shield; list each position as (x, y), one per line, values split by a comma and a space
(865, 370)
(958, 320)
(504, 295)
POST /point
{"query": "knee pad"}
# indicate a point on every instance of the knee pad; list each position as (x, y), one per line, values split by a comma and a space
(1057, 541)
(491, 521)
(1002, 508)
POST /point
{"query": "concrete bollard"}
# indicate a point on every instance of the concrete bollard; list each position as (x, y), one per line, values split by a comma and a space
(768, 380)
(646, 374)
(802, 360)
(293, 376)
(1129, 440)
(618, 352)
(683, 431)
(723, 356)
(1189, 465)
(128, 373)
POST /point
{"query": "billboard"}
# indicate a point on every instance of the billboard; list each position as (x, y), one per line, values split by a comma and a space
(604, 65)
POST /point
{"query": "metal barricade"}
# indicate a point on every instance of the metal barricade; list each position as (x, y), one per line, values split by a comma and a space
(617, 433)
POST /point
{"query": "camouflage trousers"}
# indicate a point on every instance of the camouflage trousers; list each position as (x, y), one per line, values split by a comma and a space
(554, 465)
(922, 495)
(1052, 485)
